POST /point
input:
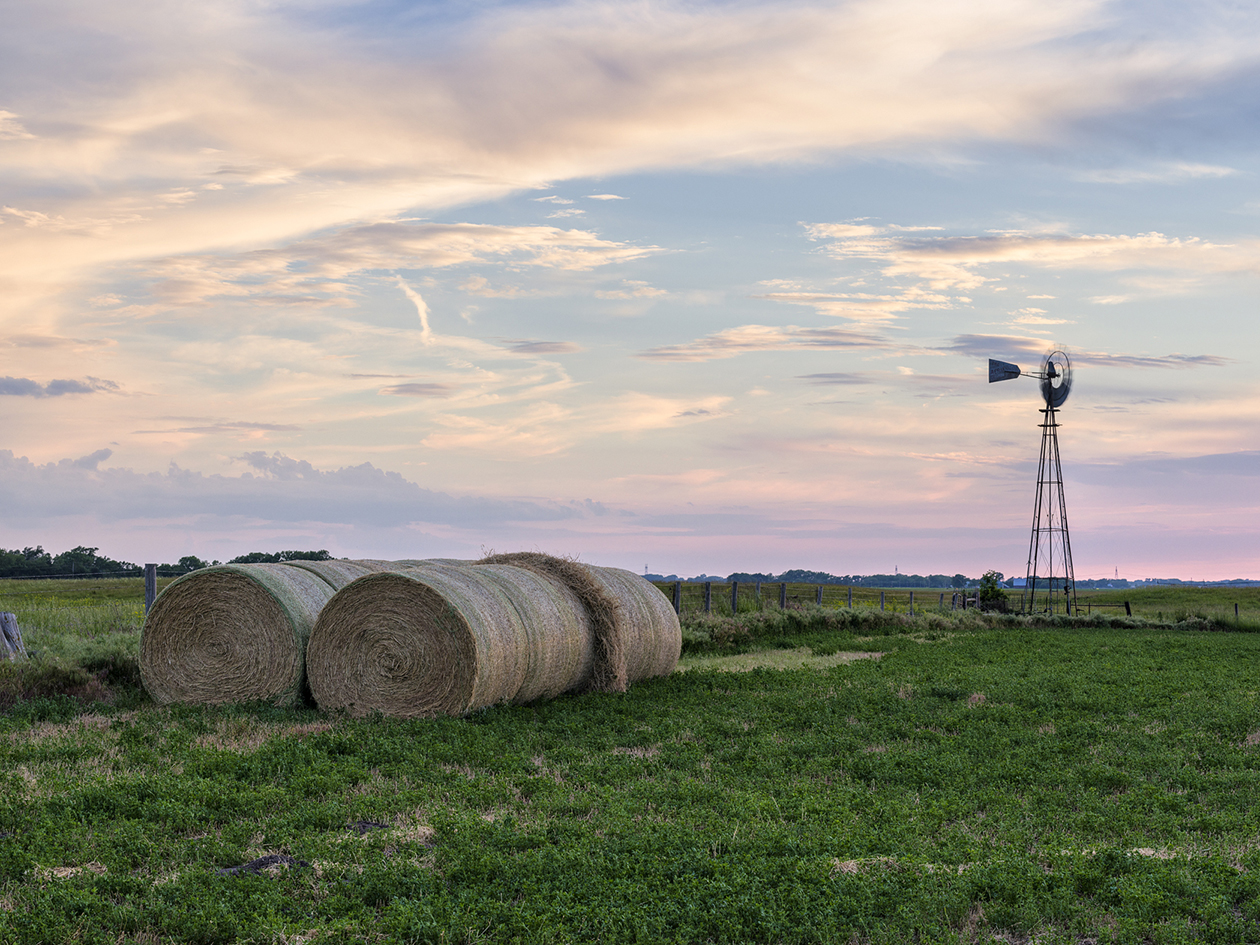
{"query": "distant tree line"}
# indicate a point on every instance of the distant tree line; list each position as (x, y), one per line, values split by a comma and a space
(799, 576)
(83, 561)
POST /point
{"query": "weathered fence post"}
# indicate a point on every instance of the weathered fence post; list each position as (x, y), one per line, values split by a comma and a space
(708, 596)
(942, 603)
(734, 598)
(912, 603)
(881, 600)
(12, 636)
(783, 595)
(150, 586)
(818, 598)
(678, 597)
(757, 594)
(850, 597)
(1128, 612)
(1235, 610)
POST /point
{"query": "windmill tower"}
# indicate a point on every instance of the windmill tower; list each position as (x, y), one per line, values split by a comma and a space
(1050, 584)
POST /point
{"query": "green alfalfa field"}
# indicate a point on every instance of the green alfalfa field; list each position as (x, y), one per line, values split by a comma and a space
(811, 776)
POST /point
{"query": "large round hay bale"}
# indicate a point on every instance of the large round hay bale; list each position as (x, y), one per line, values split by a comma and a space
(649, 635)
(608, 668)
(422, 642)
(559, 641)
(636, 632)
(232, 633)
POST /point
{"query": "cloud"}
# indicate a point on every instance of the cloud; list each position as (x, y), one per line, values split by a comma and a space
(10, 128)
(25, 387)
(542, 429)
(543, 347)
(633, 290)
(422, 310)
(250, 429)
(1169, 173)
(319, 271)
(604, 197)
(277, 489)
(745, 339)
(53, 341)
(1007, 346)
(420, 390)
(947, 263)
(836, 377)
(863, 307)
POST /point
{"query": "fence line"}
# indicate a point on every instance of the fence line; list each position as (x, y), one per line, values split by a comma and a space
(741, 596)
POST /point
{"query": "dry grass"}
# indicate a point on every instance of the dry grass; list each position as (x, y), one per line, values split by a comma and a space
(800, 658)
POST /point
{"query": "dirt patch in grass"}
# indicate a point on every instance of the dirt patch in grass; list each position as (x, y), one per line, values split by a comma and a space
(798, 658)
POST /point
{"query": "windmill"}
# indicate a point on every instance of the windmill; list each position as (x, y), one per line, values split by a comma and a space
(1050, 579)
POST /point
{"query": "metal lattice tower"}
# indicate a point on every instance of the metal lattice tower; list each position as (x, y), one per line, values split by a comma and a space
(1050, 584)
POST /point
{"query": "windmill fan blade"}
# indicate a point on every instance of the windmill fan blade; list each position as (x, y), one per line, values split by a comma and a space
(1056, 378)
(1002, 370)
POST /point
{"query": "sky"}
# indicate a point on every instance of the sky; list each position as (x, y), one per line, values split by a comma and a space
(685, 287)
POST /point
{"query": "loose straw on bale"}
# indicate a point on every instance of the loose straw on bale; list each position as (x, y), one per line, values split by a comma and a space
(337, 572)
(232, 633)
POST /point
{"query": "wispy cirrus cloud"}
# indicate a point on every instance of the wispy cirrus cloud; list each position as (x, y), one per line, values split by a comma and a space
(746, 339)
(320, 272)
(953, 263)
(1010, 346)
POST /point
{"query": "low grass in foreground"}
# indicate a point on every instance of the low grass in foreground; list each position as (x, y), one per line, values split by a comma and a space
(980, 780)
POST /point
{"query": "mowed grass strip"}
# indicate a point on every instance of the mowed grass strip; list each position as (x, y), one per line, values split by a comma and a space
(984, 785)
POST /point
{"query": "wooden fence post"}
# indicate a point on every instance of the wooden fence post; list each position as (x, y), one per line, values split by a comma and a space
(708, 596)
(850, 597)
(818, 599)
(912, 603)
(783, 595)
(150, 586)
(1127, 610)
(12, 636)
(1235, 611)
(678, 597)
(942, 603)
(881, 600)
(734, 598)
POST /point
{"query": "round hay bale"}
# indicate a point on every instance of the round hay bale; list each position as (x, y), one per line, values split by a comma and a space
(418, 643)
(337, 573)
(608, 668)
(649, 635)
(559, 641)
(232, 633)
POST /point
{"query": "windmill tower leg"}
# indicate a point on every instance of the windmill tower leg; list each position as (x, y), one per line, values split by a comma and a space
(1050, 545)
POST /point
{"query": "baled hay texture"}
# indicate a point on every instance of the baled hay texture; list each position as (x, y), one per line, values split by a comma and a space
(608, 670)
(378, 564)
(231, 633)
(648, 631)
(337, 573)
(418, 643)
(558, 638)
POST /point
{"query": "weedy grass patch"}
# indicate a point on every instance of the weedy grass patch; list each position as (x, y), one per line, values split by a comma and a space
(979, 781)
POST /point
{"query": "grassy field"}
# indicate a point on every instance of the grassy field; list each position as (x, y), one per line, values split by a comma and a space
(809, 777)
(1162, 603)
